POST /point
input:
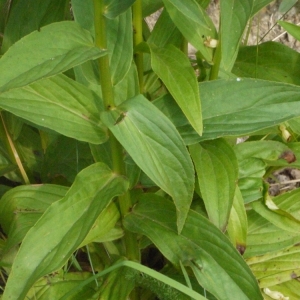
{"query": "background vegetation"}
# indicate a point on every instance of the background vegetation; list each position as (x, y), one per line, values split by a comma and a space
(120, 173)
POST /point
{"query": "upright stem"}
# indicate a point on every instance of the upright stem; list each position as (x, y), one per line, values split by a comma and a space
(101, 42)
(137, 39)
(108, 99)
(214, 73)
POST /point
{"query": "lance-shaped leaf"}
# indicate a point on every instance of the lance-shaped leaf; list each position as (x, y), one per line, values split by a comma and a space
(62, 228)
(176, 72)
(154, 144)
(54, 49)
(236, 107)
(235, 16)
(291, 28)
(237, 223)
(217, 265)
(58, 103)
(193, 22)
(217, 171)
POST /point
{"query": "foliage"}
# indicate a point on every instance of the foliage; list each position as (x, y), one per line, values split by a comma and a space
(120, 173)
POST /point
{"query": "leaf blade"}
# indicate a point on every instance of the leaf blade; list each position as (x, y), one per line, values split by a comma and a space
(148, 218)
(187, 15)
(54, 49)
(217, 171)
(58, 103)
(154, 144)
(173, 67)
(71, 218)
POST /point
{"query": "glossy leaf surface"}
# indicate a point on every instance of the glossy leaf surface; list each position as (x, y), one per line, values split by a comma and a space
(68, 219)
(200, 246)
(156, 147)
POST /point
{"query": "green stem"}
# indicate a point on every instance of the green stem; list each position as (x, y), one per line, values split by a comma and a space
(108, 99)
(137, 39)
(214, 73)
(185, 47)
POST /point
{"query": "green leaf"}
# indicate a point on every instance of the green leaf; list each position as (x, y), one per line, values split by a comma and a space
(151, 6)
(217, 171)
(165, 284)
(119, 41)
(68, 219)
(237, 223)
(58, 103)
(217, 265)
(277, 217)
(22, 206)
(253, 158)
(165, 32)
(119, 45)
(265, 150)
(105, 222)
(65, 157)
(128, 87)
(289, 203)
(258, 5)
(264, 237)
(41, 12)
(118, 284)
(269, 61)
(289, 289)
(291, 28)
(193, 22)
(235, 16)
(242, 106)
(54, 49)
(286, 5)
(156, 147)
(56, 285)
(114, 8)
(174, 68)
(275, 268)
